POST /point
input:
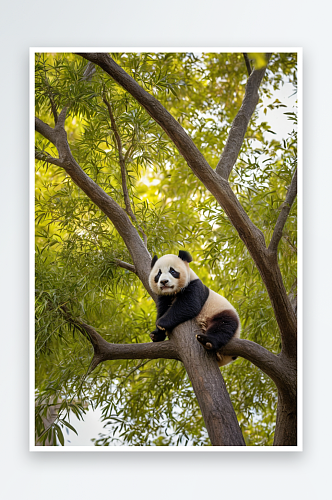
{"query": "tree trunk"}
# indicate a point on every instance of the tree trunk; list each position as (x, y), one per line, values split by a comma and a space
(286, 425)
(209, 386)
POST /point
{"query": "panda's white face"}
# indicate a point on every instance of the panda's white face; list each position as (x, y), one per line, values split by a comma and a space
(169, 275)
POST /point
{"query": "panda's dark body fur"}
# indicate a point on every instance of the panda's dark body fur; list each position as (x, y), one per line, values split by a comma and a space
(182, 296)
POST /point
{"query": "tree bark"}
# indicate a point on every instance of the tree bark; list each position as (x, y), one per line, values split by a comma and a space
(286, 424)
(209, 386)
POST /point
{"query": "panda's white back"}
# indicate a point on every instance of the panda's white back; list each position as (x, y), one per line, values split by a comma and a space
(216, 304)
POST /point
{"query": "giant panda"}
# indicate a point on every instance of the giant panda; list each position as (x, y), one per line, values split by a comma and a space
(182, 296)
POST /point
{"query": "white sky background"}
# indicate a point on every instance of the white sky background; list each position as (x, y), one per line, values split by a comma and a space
(87, 429)
(281, 125)
(278, 121)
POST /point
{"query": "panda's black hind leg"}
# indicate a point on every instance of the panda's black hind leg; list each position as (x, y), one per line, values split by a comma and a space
(205, 341)
(221, 328)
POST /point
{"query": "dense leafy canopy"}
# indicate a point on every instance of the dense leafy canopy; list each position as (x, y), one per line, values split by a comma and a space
(152, 402)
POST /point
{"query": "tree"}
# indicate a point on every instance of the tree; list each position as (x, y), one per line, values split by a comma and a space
(141, 145)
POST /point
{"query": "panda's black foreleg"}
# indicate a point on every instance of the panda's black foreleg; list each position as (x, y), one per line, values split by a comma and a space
(221, 328)
(187, 305)
(163, 304)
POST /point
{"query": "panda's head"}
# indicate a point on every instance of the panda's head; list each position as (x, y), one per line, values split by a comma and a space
(170, 273)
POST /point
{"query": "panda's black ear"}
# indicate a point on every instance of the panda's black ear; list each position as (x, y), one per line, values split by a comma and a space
(185, 256)
(153, 261)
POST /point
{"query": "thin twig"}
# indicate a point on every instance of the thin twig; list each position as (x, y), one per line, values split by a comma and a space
(50, 95)
(129, 151)
(133, 370)
(284, 212)
(125, 265)
(41, 155)
(54, 111)
(123, 170)
(246, 58)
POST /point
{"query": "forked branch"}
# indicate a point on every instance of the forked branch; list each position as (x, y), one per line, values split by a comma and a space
(218, 186)
(104, 351)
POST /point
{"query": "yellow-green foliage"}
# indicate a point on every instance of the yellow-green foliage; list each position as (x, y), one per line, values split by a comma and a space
(152, 402)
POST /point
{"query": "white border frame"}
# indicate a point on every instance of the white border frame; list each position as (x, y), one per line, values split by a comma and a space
(32, 446)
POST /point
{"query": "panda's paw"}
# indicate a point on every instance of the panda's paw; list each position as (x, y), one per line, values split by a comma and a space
(204, 340)
(157, 336)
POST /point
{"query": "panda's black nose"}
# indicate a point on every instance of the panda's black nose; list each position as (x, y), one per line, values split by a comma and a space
(163, 282)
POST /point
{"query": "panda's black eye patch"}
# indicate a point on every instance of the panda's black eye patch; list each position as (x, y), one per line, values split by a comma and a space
(157, 276)
(174, 273)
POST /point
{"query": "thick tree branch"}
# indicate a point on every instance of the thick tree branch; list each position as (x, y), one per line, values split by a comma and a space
(196, 161)
(104, 351)
(284, 212)
(239, 126)
(201, 366)
(45, 130)
(122, 160)
(114, 212)
(269, 363)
